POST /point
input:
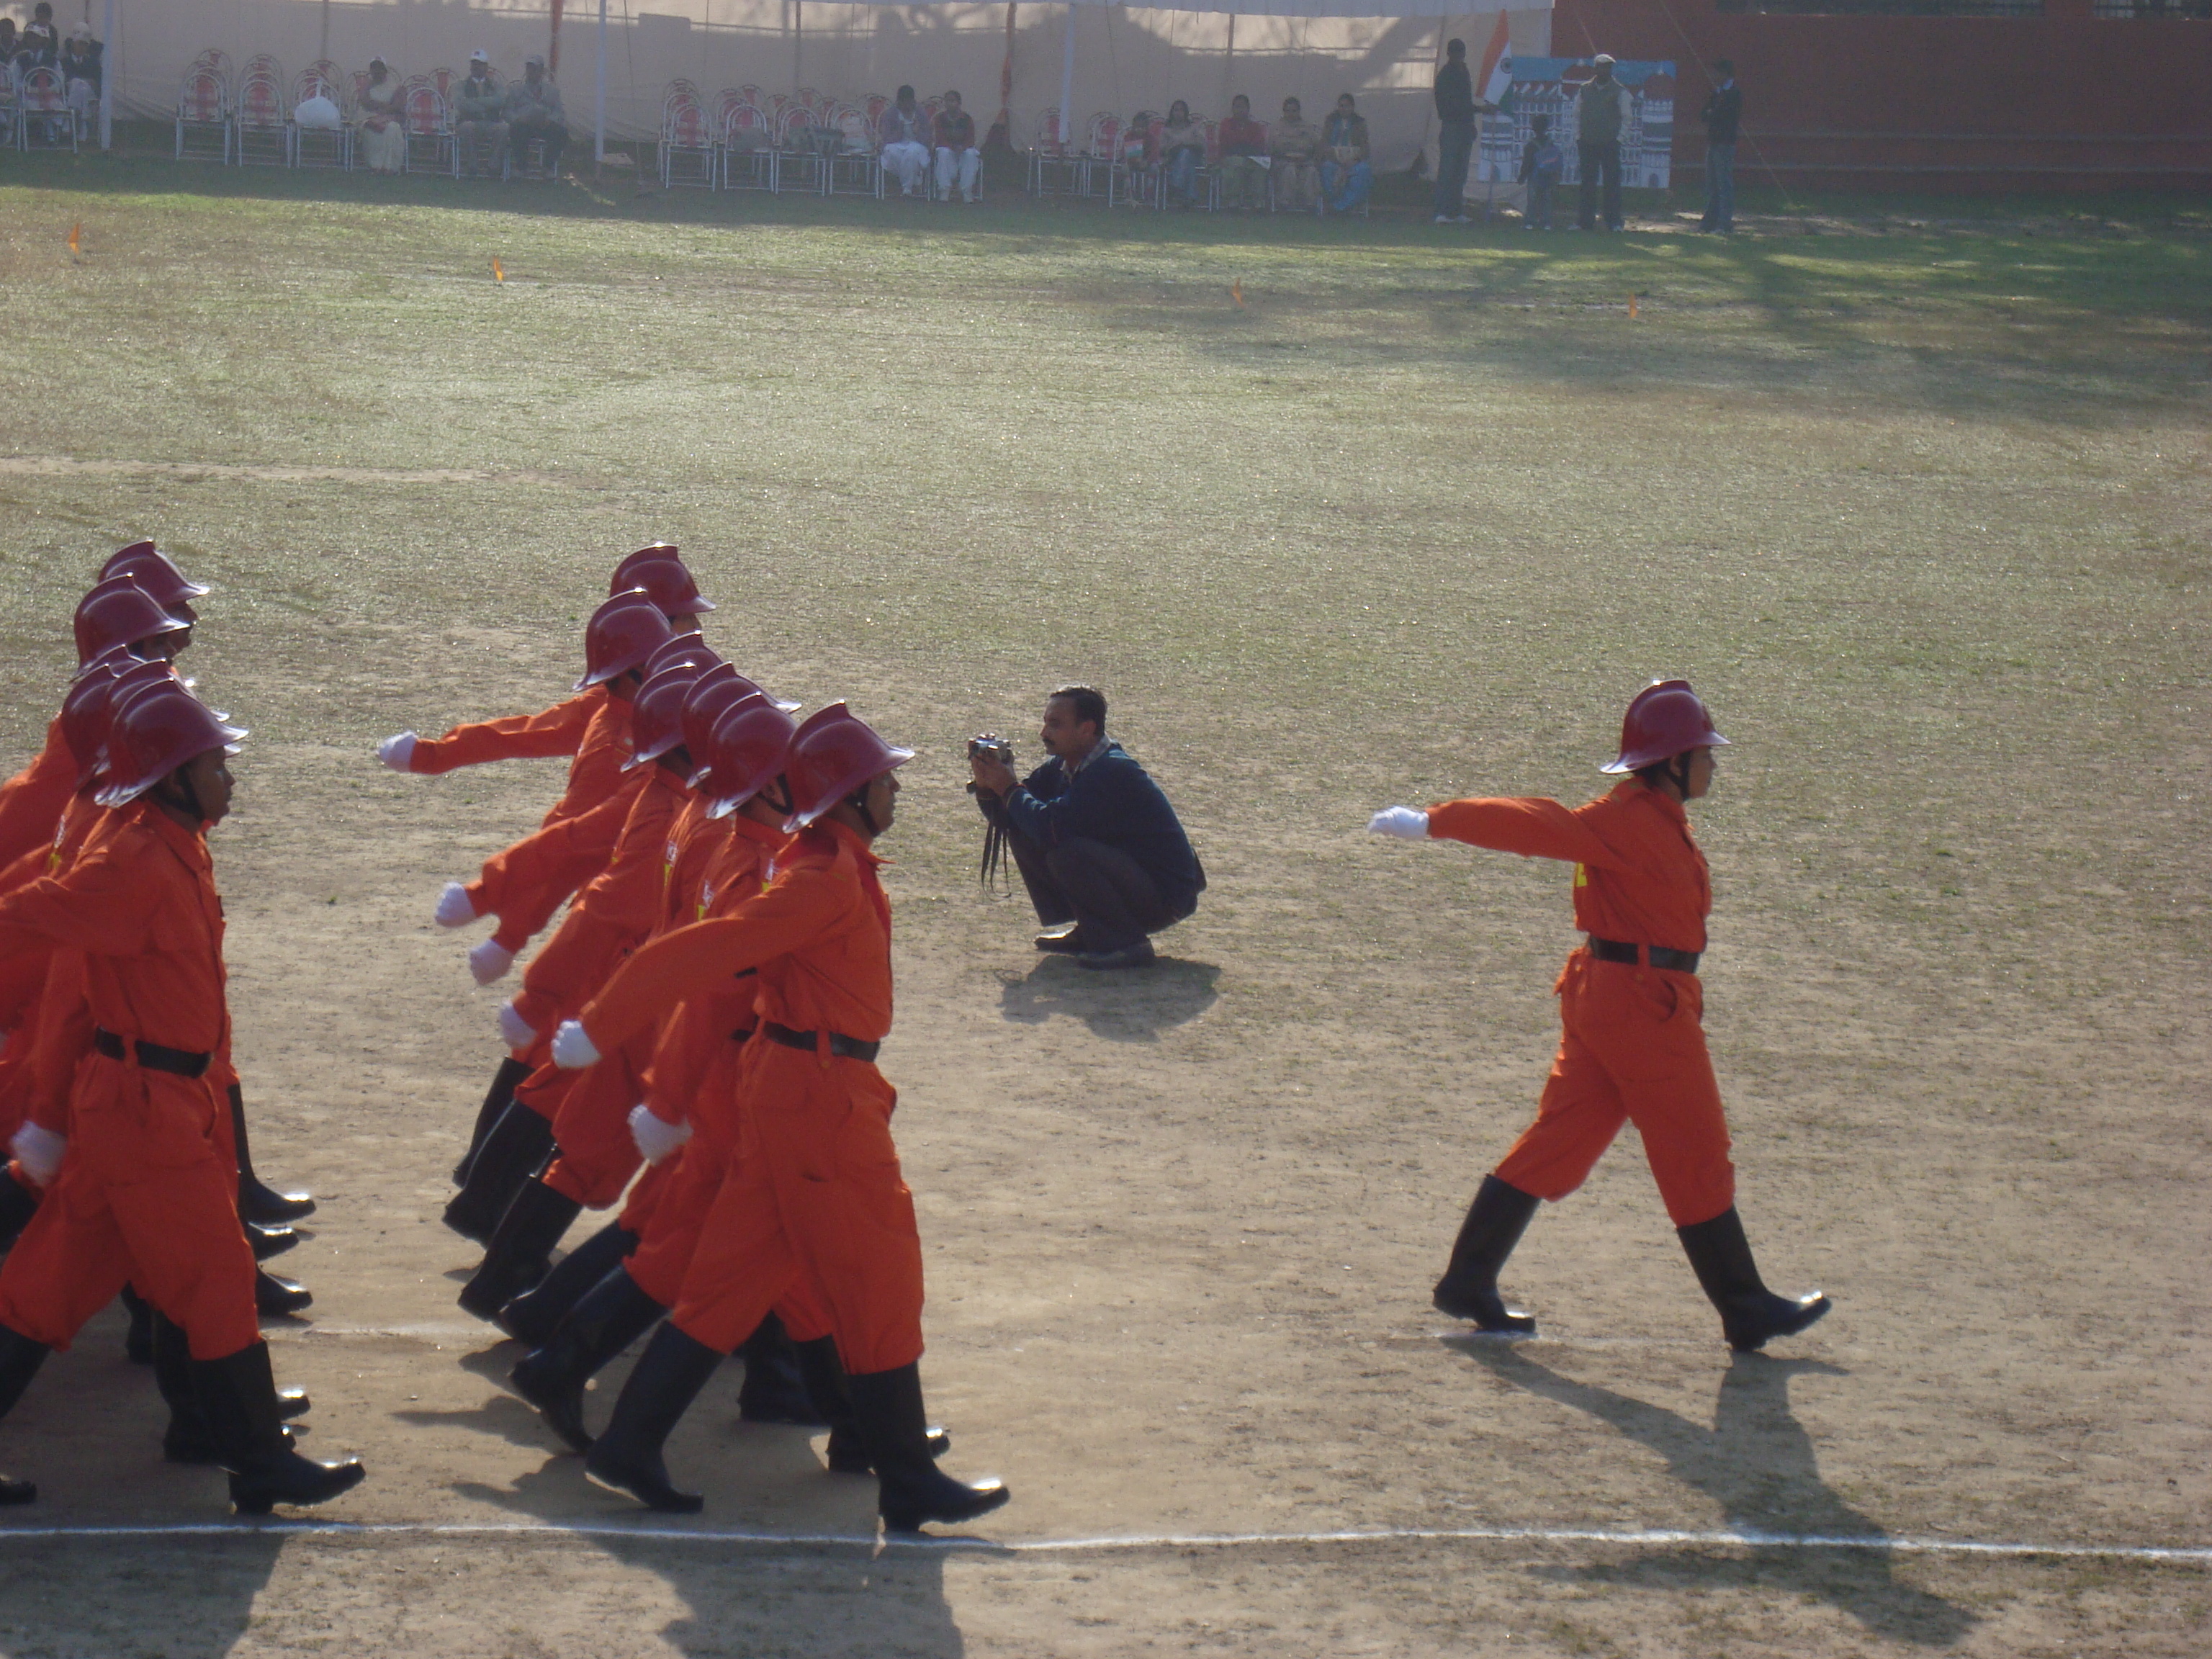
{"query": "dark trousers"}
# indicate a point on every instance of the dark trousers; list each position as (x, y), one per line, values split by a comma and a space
(1101, 889)
(1454, 148)
(551, 134)
(1598, 158)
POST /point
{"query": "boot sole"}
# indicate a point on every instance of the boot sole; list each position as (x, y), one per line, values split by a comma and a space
(1509, 1324)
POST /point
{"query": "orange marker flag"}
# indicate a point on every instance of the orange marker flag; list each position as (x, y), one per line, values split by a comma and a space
(1632, 307)
(1237, 290)
(75, 231)
(498, 271)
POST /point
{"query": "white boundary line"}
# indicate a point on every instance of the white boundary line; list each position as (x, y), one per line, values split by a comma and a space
(2180, 1555)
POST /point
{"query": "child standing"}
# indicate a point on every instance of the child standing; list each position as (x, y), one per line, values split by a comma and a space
(1543, 164)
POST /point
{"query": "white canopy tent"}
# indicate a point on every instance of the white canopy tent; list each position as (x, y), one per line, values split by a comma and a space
(1079, 55)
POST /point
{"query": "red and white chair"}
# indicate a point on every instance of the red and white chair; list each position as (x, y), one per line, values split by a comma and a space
(427, 122)
(42, 101)
(323, 147)
(855, 166)
(748, 153)
(204, 115)
(687, 139)
(260, 120)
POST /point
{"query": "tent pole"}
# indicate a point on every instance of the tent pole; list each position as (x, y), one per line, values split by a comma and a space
(599, 111)
(798, 46)
(1229, 66)
(1067, 82)
(109, 61)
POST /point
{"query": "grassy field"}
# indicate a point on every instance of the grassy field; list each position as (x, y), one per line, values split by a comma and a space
(1340, 515)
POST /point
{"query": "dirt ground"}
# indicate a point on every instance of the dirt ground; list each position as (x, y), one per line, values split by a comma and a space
(1924, 519)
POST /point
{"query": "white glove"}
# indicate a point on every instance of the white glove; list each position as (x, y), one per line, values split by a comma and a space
(518, 1032)
(396, 750)
(454, 908)
(1406, 823)
(491, 961)
(656, 1137)
(39, 1152)
(573, 1049)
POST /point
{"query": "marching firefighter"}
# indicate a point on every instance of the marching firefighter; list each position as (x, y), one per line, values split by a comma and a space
(1633, 1044)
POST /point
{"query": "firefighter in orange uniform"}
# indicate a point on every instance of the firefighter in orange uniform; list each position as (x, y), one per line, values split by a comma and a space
(813, 1204)
(1632, 1047)
(145, 1187)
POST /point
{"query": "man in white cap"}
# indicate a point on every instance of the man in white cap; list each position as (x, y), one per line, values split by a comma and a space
(478, 106)
(534, 115)
(1602, 111)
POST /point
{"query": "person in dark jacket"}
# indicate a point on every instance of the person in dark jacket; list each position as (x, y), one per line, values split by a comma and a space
(1601, 112)
(1096, 841)
(1724, 111)
(1454, 94)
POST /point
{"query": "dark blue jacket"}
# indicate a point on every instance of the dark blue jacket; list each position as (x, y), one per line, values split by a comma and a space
(1113, 800)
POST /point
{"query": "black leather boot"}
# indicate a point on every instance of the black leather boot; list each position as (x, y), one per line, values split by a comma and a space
(269, 1242)
(910, 1488)
(1751, 1314)
(238, 1396)
(628, 1457)
(610, 1316)
(775, 1389)
(274, 1295)
(188, 1439)
(521, 1248)
(1468, 1290)
(496, 1098)
(20, 1360)
(825, 1386)
(534, 1315)
(138, 1335)
(512, 1153)
(257, 1202)
(18, 1203)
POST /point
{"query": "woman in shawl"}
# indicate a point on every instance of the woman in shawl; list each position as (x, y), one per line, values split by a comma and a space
(383, 141)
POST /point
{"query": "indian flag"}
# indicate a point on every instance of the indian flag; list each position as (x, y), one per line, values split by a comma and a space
(1493, 83)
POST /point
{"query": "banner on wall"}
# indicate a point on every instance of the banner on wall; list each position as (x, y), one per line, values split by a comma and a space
(1551, 87)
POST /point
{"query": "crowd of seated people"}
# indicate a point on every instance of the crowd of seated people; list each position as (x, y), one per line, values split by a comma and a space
(1294, 165)
(74, 55)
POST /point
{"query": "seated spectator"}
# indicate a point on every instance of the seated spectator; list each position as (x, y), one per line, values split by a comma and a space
(1243, 143)
(7, 43)
(1345, 140)
(80, 67)
(534, 115)
(382, 143)
(1294, 149)
(1543, 164)
(956, 154)
(476, 104)
(1182, 152)
(1096, 841)
(1134, 151)
(904, 134)
(37, 44)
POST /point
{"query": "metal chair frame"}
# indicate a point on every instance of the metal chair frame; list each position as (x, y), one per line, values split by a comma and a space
(203, 105)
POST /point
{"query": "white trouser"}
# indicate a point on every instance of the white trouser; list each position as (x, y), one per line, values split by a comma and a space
(969, 163)
(906, 163)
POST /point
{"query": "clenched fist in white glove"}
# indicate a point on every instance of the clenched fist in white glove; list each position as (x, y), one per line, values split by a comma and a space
(489, 962)
(518, 1032)
(39, 1152)
(397, 751)
(1406, 823)
(573, 1049)
(656, 1137)
(455, 908)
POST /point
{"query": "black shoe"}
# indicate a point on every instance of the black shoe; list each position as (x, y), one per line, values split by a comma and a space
(511, 1072)
(256, 1201)
(1129, 956)
(269, 1242)
(606, 1320)
(628, 1458)
(1069, 943)
(534, 1317)
(521, 1250)
(18, 1492)
(20, 1360)
(1468, 1290)
(1751, 1314)
(775, 1387)
(519, 1146)
(138, 1335)
(911, 1489)
(238, 1396)
(275, 1295)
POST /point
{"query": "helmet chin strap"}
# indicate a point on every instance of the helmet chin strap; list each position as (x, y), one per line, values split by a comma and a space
(186, 787)
(858, 801)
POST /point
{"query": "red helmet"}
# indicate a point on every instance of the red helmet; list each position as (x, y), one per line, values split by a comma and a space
(1665, 720)
(685, 648)
(666, 582)
(89, 709)
(713, 694)
(621, 634)
(155, 571)
(118, 611)
(835, 753)
(750, 744)
(656, 715)
(155, 732)
(621, 580)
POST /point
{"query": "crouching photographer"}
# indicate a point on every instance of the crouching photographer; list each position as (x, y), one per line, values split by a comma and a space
(1096, 841)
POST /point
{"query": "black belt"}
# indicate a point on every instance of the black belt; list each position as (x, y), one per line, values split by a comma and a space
(843, 1047)
(152, 1055)
(1609, 949)
(742, 1036)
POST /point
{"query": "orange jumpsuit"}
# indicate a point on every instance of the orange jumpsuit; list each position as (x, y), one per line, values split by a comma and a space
(54, 1031)
(36, 796)
(558, 731)
(148, 1191)
(813, 1204)
(1632, 1041)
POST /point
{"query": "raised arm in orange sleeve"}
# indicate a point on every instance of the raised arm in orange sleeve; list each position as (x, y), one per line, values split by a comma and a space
(616, 908)
(677, 965)
(545, 736)
(32, 801)
(97, 905)
(525, 884)
(1536, 828)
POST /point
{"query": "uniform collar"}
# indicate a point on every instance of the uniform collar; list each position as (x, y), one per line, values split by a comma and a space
(768, 834)
(852, 841)
(1667, 805)
(190, 845)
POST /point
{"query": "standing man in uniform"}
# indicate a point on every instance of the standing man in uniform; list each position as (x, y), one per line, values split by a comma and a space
(1454, 95)
(1632, 1015)
(1600, 112)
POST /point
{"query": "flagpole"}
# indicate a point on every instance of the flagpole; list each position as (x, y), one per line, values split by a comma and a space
(109, 61)
(1067, 85)
(599, 111)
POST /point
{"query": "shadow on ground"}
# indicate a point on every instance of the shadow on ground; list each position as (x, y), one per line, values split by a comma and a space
(1758, 1465)
(1126, 1006)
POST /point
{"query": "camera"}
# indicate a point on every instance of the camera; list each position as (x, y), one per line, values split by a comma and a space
(989, 745)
